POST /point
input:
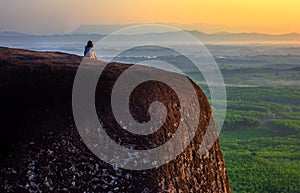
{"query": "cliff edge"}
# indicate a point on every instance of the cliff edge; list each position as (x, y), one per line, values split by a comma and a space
(42, 151)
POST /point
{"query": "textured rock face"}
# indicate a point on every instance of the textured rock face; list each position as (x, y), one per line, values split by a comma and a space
(41, 150)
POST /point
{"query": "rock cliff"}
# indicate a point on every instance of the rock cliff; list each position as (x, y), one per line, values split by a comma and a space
(41, 150)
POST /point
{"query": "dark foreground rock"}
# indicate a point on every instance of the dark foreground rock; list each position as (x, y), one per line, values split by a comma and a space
(41, 150)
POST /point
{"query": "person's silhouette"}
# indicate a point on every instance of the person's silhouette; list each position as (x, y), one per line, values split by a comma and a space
(89, 50)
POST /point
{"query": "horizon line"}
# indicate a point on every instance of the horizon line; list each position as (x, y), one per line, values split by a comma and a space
(187, 30)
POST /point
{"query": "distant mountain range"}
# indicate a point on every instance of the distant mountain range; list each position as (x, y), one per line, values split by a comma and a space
(10, 34)
(87, 31)
(245, 37)
(210, 37)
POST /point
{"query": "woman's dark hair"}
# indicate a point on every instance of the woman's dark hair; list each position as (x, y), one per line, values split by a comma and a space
(90, 44)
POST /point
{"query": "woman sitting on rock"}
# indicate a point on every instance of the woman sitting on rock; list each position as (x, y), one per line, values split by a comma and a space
(89, 50)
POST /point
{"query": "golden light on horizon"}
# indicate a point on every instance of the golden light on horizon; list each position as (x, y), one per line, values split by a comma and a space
(247, 15)
(263, 16)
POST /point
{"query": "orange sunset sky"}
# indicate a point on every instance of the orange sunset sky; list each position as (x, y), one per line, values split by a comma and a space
(63, 16)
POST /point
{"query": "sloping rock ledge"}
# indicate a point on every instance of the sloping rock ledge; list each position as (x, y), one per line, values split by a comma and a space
(41, 150)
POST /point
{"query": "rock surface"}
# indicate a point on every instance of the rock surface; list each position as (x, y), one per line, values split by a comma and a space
(41, 150)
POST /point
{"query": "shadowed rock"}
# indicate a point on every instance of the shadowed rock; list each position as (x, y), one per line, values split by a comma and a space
(41, 150)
